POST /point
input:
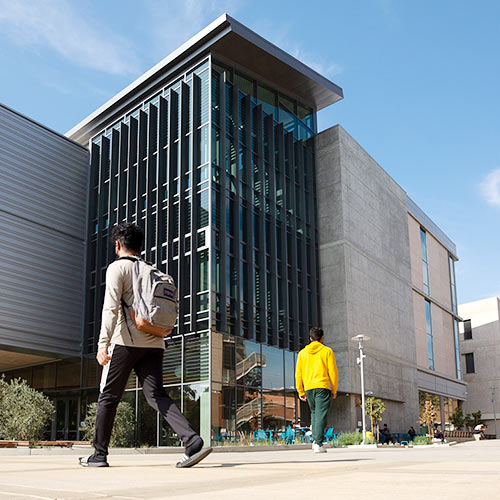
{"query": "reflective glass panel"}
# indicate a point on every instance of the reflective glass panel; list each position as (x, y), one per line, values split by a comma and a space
(272, 367)
(196, 358)
(196, 404)
(167, 436)
(172, 363)
(248, 363)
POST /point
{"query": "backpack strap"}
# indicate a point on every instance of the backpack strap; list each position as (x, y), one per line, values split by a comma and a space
(124, 304)
(129, 257)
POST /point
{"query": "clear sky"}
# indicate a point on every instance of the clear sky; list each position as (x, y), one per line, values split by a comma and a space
(421, 81)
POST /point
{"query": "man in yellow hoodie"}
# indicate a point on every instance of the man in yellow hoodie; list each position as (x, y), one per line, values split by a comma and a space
(317, 378)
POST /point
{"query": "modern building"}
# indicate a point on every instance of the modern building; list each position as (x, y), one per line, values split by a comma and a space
(386, 271)
(480, 350)
(268, 228)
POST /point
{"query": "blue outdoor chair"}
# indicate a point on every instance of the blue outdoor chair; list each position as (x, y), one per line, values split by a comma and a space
(329, 434)
(289, 435)
(261, 435)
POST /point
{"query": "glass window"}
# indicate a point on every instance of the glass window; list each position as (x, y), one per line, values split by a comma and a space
(167, 436)
(287, 113)
(306, 115)
(172, 364)
(204, 285)
(273, 409)
(289, 370)
(469, 363)
(248, 410)
(267, 98)
(196, 405)
(244, 84)
(272, 368)
(425, 264)
(223, 69)
(146, 422)
(453, 284)
(467, 330)
(204, 209)
(204, 173)
(430, 340)
(457, 348)
(196, 359)
(248, 363)
(204, 153)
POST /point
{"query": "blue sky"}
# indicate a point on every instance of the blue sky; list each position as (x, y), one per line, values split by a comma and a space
(421, 81)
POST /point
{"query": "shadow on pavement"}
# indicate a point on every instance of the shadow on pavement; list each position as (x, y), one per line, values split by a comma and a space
(283, 462)
(207, 465)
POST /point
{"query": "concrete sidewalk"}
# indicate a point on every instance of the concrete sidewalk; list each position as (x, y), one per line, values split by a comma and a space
(466, 471)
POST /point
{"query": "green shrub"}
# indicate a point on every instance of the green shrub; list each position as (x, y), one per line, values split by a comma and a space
(348, 438)
(421, 440)
(123, 427)
(24, 412)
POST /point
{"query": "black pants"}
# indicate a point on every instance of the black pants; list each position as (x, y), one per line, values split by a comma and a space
(147, 363)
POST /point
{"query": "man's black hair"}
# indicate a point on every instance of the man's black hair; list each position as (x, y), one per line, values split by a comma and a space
(130, 236)
(316, 333)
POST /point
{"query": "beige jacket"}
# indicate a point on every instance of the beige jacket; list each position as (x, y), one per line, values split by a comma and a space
(113, 327)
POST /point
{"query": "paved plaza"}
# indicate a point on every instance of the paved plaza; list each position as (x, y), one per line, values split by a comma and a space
(465, 471)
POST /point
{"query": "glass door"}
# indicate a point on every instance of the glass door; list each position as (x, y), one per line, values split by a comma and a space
(66, 419)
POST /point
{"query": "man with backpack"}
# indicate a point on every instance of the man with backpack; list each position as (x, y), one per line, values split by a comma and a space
(316, 378)
(129, 340)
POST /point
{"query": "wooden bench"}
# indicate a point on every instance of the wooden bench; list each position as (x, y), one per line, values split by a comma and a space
(7, 444)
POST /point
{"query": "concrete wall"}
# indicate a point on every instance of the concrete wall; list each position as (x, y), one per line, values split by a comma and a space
(485, 344)
(365, 273)
(43, 210)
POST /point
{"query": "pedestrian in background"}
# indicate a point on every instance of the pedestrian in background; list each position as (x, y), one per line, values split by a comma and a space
(316, 378)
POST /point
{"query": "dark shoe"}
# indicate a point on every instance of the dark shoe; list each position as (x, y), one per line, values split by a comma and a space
(92, 462)
(195, 453)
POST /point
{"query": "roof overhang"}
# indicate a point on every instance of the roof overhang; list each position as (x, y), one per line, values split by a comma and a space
(232, 41)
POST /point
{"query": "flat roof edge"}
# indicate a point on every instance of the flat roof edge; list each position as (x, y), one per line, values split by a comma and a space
(41, 125)
(431, 226)
(259, 41)
(202, 41)
(196, 39)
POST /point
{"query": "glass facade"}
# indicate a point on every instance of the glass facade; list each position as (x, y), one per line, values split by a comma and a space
(217, 169)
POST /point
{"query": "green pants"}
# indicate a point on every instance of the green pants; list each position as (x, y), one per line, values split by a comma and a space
(319, 403)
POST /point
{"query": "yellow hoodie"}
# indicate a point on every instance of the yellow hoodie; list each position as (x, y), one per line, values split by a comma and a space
(316, 369)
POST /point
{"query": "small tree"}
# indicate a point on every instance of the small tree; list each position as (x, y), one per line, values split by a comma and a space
(428, 416)
(24, 412)
(473, 419)
(374, 408)
(123, 427)
(457, 418)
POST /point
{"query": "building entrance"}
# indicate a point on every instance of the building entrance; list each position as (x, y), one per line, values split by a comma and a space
(65, 422)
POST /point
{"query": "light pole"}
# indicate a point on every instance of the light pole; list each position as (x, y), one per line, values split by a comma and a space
(493, 389)
(359, 339)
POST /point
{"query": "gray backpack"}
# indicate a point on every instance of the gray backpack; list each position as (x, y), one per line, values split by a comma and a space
(156, 306)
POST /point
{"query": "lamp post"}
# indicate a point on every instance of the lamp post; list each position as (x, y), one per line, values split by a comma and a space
(359, 339)
(493, 389)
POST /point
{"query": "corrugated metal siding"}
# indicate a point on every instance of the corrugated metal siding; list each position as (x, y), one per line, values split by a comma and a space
(43, 212)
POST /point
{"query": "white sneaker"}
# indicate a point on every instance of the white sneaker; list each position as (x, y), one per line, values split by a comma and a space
(318, 448)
